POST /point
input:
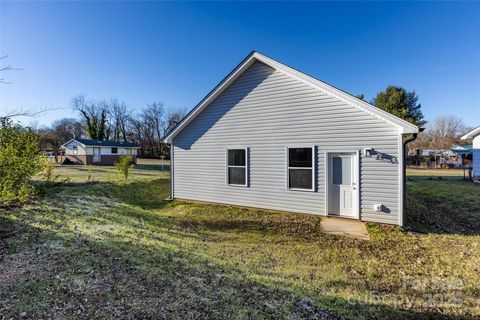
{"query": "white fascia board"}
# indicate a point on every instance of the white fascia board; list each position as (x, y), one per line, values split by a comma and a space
(66, 143)
(403, 126)
(472, 134)
(247, 62)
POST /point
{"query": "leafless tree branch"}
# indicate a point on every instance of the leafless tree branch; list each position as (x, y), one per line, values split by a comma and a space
(21, 112)
(6, 68)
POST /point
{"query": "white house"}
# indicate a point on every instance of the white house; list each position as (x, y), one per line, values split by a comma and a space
(101, 152)
(269, 136)
(474, 135)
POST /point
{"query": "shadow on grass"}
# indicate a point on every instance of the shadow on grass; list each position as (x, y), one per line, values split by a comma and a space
(153, 272)
(146, 194)
(84, 276)
(156, 167)
(435, 178)
(443, 206)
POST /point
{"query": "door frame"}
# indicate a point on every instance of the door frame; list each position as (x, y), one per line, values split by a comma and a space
(356, 155)
(99, 155)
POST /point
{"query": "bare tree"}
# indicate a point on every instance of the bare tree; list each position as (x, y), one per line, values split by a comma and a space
(174, 116)
(95, 114)
(446, 131)
(153, 119)
(442, 133)
(148, 127)
(58, 133)
(120, 116)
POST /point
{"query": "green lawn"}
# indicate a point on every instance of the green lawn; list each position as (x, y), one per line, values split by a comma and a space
(110, 249)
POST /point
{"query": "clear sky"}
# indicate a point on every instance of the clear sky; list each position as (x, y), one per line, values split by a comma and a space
(176, 53)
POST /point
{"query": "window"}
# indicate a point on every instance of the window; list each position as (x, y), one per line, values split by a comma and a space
(114, 150)
(75, 150)
(237, 167)
(342, 170)
(300, 168)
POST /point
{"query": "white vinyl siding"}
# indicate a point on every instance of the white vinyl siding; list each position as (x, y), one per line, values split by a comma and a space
(80, 149)
(105, 151)
(476, 157)
(269, 110)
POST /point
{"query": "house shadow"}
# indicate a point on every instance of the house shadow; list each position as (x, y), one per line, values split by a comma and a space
(152, 167)
(142, 274)
(436, 211)
(146, 273)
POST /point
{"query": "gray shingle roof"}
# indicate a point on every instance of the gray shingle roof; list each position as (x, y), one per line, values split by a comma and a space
(106, 143)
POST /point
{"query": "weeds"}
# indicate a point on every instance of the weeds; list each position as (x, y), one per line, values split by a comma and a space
(123, 166)
(111, 250)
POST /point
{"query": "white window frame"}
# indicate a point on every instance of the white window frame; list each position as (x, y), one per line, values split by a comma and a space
(75, 150)
(229, 166)
(287, 170)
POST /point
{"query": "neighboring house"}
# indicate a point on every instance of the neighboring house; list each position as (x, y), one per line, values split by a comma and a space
(85, 151)
(269, 136)
(474, 135)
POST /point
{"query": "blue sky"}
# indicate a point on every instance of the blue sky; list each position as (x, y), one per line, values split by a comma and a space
(176, 53)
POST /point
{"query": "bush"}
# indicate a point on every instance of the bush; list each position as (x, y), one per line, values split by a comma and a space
(19, 160)
(123, 165)
(49, 179)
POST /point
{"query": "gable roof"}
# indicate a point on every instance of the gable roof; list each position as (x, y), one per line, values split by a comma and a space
(402, 125)
(103, 143)
(472, 134)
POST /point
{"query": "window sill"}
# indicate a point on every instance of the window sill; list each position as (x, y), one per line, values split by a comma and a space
(237, 185)
(298, 189)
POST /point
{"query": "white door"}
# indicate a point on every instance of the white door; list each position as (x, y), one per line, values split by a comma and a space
(342, 189)
(97, 156)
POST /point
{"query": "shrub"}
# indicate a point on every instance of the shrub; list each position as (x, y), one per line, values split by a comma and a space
(123, 165)
(90, 173)
(49, 179)
(19, 160)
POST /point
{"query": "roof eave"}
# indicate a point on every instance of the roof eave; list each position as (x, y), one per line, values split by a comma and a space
(472, 134)
(403, 126)
(212, 95)
(63, 145)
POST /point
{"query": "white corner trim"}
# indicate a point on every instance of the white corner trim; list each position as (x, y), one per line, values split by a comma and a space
(401, 177)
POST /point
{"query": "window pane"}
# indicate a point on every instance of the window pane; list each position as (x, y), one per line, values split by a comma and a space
(236, 176)
(114, 150)
(236, 157)
(342, 170)
(300, 178)
(300, 157)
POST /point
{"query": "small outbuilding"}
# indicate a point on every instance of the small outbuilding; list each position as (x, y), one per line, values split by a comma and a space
(474, 135)
(269, 136)
(99, 152)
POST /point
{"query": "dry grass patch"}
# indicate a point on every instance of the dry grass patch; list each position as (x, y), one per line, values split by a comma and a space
(112, 250)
